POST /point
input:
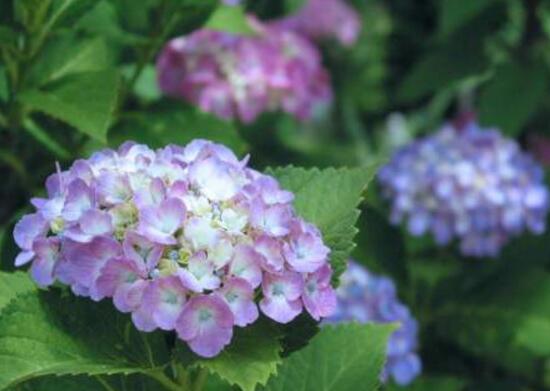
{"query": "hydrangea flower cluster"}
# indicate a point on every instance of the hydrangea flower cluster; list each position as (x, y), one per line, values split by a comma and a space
(365, 297)
(183, 238)
(319, 19)
(467, 183)
(244, 76)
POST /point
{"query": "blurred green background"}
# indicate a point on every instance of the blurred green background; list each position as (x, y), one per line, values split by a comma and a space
(77, 76)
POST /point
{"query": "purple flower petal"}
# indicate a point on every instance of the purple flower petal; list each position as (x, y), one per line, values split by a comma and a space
(281, 300)
(274, 220)
(305, 251)
(118, 278)
(84, 261)
(28, 229)
(270, 251)
(246, 265)
(93, 223)
(319, 298)
(79, 199)
(162, 303)
(199, 274)
(159, 224)
(141, 249)
(214, 179)
(206, 324)
(47, 255)
(239, 296)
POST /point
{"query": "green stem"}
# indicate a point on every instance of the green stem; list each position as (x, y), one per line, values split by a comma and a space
(45, 31)
(170, 385)
(156, 41)
(104, 383)
(200, 380)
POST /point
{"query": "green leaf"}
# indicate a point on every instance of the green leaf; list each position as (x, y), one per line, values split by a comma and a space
(328, 198)
(84, 100)
(512, 96)
(13, 285)
(432, 383)
(293, 6)
(459, 57)
(230, 19)
(456, 13)
(251, 359)
(46, 140)
(4, 91)
(347, 357)
(103, 20)
(43, 333)
(179, 125)
(70, 11)
(381, 245)
(69, 55)
(146, 86)
(510, 314)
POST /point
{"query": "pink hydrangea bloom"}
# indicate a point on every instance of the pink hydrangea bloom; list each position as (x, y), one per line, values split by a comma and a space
(244, 76)
(319, 19)
(182, 238)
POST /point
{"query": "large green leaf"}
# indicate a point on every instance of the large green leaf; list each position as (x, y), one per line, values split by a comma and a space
(515, 92)
(511, 312)
(84, 100)
(44, 333)
(250, 360)
(328, 198)
(177, 125)
(12, 285)
(455, 13)
(432, 383)
(68, 55)
(462, 55)
(347, 357)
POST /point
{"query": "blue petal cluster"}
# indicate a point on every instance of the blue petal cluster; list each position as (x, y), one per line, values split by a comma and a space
(471, 184)
(365, 297)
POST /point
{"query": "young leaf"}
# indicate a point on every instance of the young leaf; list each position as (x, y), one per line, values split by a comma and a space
(84, 100)
(230, 19)
(43, 333)
(328, 198)
(340, 358)
(251, 359)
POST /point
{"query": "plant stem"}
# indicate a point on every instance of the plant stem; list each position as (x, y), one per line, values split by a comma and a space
(200, 380)
(105, 385)
(169, 384)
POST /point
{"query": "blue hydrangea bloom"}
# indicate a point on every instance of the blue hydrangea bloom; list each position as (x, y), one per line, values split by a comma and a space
(365, 297)
(466, 183)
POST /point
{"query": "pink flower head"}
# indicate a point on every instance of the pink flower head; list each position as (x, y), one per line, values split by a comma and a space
(182, 238)
(245, 76)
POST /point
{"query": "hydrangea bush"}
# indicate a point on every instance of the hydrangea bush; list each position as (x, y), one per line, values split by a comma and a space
(368, 298)
(243, 76)
(468, 183)
(183, 238)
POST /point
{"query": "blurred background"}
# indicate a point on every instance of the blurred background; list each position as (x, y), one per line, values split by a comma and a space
(78, 76)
